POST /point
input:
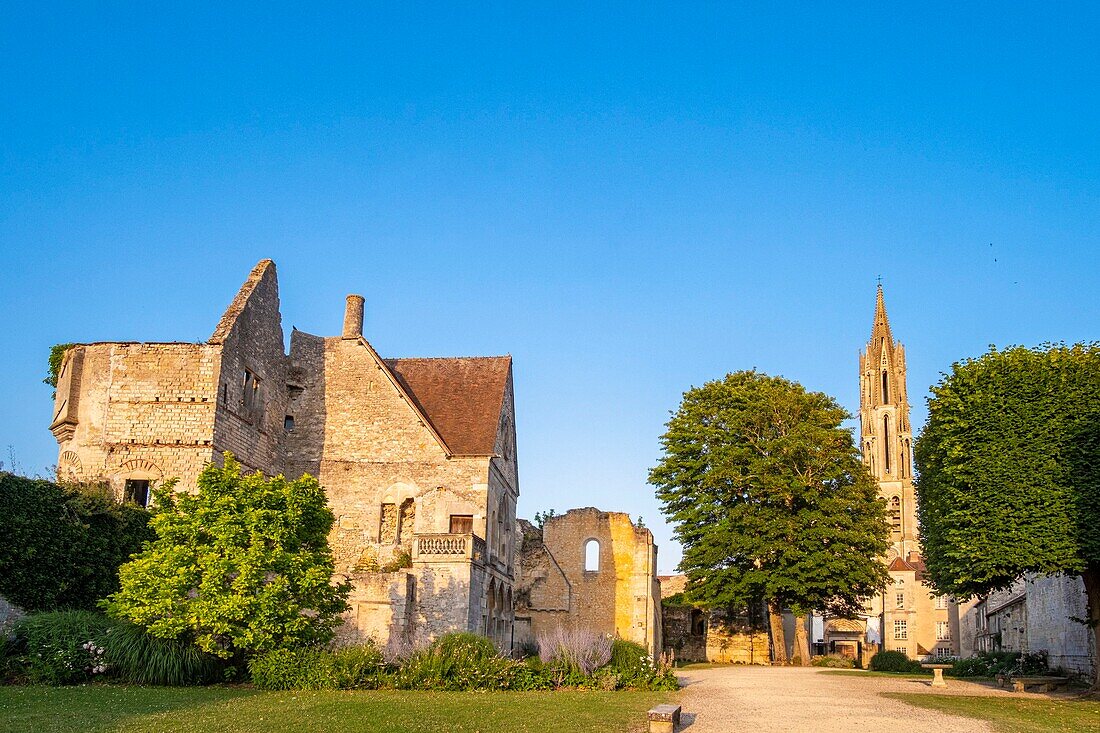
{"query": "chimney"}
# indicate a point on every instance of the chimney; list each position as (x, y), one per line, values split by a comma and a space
(353, 317)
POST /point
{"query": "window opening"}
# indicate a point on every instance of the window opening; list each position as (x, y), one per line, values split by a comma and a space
(288, 423)
(137, 491)
(698, 625)
(462, 524)
(591, 556)
(886, 443)
(251, 397)
(885, 388)
(387, 533)
(901, 629)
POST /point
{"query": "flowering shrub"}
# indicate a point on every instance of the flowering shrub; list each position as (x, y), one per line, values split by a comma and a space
(991, 664)
(454, 662)
(60, 647)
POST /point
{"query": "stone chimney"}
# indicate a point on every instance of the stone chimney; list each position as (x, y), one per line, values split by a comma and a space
(353, 317)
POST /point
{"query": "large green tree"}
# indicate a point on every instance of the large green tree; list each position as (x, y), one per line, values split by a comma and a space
(770, 500)
(1009, 471)
(241, 566)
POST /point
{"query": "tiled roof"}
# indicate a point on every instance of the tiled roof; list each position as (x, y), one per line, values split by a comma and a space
(899, 565)
(461, 396)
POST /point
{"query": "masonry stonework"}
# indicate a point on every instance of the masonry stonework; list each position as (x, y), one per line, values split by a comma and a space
(417, 456)
(592, 570)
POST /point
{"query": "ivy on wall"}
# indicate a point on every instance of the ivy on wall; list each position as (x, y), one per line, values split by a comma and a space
(62, 545)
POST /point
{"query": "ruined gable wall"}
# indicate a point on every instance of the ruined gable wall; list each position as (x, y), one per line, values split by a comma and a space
(250, 335)
(622, 597)
(142, 411)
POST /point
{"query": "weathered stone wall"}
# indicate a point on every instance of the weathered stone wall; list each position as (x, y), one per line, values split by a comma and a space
(695, 635)
(1052, 604)
(142, 411)
(333, 409)
(9, 614)
(249, 419)
(622, 597)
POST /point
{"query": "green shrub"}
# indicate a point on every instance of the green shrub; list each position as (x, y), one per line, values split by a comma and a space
(136, 657)
(239, 568)
(832, 660)
(60, 647)
(464, 661)
(991, 664)
(890, 661)
(359, 668)
(308, 668)
(63, 545)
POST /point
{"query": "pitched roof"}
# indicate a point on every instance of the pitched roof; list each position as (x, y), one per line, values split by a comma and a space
(461, 396)
(915, 566)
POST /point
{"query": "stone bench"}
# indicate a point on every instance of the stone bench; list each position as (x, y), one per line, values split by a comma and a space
(664, 718)
(1045, 684)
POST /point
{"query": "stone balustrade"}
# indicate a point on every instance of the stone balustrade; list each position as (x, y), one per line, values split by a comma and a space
(448, 547)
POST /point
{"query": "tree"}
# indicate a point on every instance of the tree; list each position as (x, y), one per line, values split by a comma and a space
(242, 566)
(1009, 471)
(770, 500)
(63, 544)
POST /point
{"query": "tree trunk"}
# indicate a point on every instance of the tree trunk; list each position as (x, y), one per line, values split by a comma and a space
(801, 642)
(1091, 576)
(779, 641)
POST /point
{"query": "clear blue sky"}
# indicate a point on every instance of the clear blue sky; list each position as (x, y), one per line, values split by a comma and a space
(629, 200)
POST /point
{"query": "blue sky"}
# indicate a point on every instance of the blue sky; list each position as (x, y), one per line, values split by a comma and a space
(629, 200)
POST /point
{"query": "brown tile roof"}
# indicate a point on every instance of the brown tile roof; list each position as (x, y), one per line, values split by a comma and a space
(914, 565)
(899, 565)
(461, 396)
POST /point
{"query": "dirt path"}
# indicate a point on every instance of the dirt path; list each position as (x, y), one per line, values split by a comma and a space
(773, 699)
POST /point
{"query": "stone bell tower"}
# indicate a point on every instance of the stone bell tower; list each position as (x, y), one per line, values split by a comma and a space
(886, 437)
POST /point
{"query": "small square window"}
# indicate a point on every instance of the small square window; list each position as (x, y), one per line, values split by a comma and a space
(137, 491)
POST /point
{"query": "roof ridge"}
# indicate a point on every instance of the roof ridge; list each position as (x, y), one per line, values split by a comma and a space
(445, 358)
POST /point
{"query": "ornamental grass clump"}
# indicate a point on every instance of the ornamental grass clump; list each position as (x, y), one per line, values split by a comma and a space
(572, 655)
(135, 657)
(59, 647)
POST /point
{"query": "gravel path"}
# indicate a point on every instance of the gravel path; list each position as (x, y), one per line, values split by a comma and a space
(797, 699)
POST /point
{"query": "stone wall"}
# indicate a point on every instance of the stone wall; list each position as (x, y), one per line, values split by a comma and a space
(334, 409)
(1053, 602)
(621, 596)
(136, 411)
(695, 635)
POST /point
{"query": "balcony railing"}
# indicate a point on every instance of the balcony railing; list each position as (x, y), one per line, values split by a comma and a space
(448, 547)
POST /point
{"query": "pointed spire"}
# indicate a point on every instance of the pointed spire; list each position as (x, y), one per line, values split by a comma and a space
(881, 327)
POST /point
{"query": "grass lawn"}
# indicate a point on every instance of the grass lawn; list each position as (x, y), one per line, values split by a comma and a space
(1016, 715)
(98, 709)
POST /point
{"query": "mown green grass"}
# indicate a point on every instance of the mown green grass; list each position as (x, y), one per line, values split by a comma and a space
(1014, 715)
(118, 709)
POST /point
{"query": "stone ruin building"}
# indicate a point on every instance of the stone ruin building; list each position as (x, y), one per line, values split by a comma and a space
(417, 456)
(695, 635)
(588, 569)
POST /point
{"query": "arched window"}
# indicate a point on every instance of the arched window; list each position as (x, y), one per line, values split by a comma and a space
(886, 443)
(591, 556)
(885, 388)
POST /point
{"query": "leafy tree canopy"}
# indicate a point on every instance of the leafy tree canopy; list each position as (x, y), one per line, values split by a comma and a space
(242, 566)
(769, 498)
(1009, 468)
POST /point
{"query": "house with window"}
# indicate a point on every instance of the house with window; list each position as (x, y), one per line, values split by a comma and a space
(417, 456)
